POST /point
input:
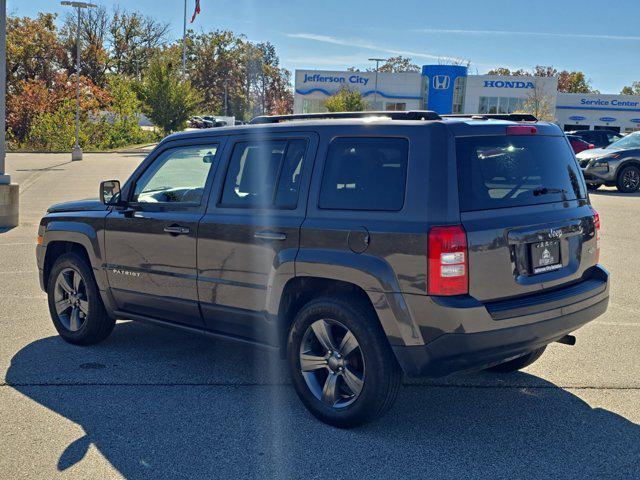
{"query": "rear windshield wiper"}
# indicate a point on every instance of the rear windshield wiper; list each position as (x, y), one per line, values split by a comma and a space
(548, 191)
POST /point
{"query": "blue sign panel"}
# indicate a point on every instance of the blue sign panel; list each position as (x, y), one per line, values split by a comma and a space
(577, 118)
(441, 80)
(635, 120)
(607, 119)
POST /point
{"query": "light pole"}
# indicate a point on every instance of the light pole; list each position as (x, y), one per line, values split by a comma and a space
(375, 88)
(4, 179)
(76, 154)
(184, 41)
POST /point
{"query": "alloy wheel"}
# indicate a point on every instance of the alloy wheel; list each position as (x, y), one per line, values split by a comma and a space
(631, 179)
(332, 363)
(70, 296)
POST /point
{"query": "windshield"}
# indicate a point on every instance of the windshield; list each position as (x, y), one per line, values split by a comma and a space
(630, 141)
(509, 171)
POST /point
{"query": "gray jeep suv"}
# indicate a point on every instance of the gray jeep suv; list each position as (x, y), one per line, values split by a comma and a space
(359, 246)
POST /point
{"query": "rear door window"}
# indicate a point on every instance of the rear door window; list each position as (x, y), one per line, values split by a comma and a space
(509, 171)
(264, 174)
(365, 174)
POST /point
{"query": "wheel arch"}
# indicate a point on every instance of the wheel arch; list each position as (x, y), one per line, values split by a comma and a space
(389, 309)
(628, 162)
(66, 236)
(57, 248)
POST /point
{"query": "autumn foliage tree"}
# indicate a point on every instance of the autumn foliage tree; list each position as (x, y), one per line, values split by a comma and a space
(120, 71)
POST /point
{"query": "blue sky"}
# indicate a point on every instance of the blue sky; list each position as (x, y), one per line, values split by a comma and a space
(602, 39)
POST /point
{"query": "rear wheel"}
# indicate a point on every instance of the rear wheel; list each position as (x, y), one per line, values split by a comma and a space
(75, 305)
(341, 363)
(518, 363)
(629, 179)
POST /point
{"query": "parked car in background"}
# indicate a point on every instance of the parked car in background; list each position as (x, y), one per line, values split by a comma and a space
(579, 144)
(615, 165)
(599, 138)
(200, 122)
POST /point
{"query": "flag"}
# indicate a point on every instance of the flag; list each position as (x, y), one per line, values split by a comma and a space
(196, 11)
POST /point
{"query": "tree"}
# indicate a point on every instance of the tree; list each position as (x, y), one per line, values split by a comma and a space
(34, 97)
(34, 51)
(169, 100)
(503, 71)
(94, 58)
(574, 82)
(346, 101)
(634, 89)
(243, 76)
(539, 104)
(399, 64)
(133, 40)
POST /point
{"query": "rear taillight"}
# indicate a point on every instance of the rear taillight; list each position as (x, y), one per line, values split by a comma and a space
(596, 221)
(448, 265)
(591, 146)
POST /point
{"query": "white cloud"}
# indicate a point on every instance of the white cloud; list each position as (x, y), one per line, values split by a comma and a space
(364, 44)
(529, 34)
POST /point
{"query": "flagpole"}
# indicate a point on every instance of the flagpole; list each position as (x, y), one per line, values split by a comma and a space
(184, 42)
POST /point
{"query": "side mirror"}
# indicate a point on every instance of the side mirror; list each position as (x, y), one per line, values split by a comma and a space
(208, 158)
(110, 192)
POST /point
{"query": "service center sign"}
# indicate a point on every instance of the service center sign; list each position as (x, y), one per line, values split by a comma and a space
(614, 102)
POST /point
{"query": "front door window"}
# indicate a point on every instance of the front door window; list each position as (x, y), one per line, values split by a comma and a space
(178, 175)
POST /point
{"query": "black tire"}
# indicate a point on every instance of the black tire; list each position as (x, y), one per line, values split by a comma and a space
(95, 325)
(518, 363)
(381, 378)
(628, 180)
(593, 186)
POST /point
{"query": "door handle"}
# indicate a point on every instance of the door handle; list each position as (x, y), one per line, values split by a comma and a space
(268, 235)
(176, 230)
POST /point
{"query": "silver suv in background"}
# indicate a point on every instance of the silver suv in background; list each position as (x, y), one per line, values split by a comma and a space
(615, 165)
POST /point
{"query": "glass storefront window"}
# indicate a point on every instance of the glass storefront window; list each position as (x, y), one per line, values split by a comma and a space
(458, 95)
(500, 104)
(395, 106)
(313, 105)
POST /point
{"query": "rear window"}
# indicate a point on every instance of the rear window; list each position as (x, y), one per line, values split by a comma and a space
(365, 174)
(511, 171)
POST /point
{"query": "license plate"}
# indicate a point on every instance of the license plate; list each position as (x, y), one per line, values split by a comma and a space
(545, 256)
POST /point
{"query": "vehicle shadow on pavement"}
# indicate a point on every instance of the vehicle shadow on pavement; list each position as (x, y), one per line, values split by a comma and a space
(158, 403)
(613, 193)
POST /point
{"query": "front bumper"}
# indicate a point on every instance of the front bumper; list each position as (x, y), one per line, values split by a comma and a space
(566, 310)
(598, 174)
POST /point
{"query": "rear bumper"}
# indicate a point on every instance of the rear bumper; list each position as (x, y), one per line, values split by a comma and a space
(454, 352)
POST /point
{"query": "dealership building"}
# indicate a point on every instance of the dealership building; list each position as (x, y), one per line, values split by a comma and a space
(450, 89)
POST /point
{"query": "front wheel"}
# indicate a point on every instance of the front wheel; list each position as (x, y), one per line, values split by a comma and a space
(593, 186)
(341, 363)
(629, 179)
(75, 305)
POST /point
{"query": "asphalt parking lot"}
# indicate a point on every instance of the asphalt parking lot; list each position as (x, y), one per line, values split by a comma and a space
(157, 403)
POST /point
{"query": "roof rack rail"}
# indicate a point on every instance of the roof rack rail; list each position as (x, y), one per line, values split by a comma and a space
(514, 117)
(393, 115)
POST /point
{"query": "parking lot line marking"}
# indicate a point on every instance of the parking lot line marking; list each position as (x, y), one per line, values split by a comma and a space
(16, 244)
(618, 324)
